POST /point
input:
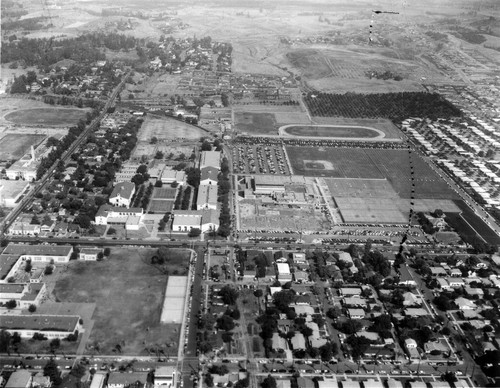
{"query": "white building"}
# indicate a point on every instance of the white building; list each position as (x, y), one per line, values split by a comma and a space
(40, 253)
(210, 159)
(207, 197)
(52, 326)
(165, 377)
(122, 194)
(283, 273)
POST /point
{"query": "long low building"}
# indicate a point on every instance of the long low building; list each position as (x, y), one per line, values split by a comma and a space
(52, 326)
(40, 253)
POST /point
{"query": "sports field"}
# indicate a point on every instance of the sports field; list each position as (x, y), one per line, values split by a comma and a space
(164, 128)
(15, 146)
(128, 292)
(47, 116)
(390, 164)
(161, 206)
(331, 131)
(164, 193)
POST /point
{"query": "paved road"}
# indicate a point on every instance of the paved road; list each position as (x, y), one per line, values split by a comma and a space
(190, 362)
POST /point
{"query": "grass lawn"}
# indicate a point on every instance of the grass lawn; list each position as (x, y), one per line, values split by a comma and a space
(47, 116)
(128, 292)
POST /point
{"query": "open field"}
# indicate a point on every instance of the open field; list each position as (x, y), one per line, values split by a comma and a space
(46, 116)
(255, 216)
(390, 164)
(165, 128)
(128, 292)
(372, 210)
(255, 123)
(15, 146)
(331, 131)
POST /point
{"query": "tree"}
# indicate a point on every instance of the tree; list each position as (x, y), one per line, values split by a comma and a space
(28, 266)
(220, 370)
(107, 251)
(194, 232)
(52, 371)
(19, 85)
(258, 293)
(283, 298)
(5, 340)
(48, 270)
(32, 308)
(209, 380)
(229, 294)
(154, 140)
(269, 382)
(206, 146)
(11, 304)
(161, 225)
(55, 344)
(227, 337)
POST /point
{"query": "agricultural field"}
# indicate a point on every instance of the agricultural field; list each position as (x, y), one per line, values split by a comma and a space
(128, 293)
(394, 106)
(390, 164)
(331, 131)
(47, 116)
(165, 128)
(13, 147)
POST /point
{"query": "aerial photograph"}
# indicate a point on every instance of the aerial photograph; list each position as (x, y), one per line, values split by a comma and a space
(250, 194)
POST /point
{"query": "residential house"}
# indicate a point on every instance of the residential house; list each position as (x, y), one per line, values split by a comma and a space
(474, 292)
(410, 299)
(122, 194)
(455, 282)
(465, 304)
(298, 341)
(410, 343)
(405, 277)
(41, 381)
(123, 380)
(278, 342)
(438, 271)
(356, 313)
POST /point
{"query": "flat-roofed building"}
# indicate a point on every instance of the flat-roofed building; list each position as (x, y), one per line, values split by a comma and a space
(171, 176)
(98, 380)
(9, 264)
(210, 159)
(19, 379)
(90, 253)
(40, 253)
(268, 184)
(185, 221)
(207, 197)
(283, 272)
(11, 191)
(52, 326)
(165, 377)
